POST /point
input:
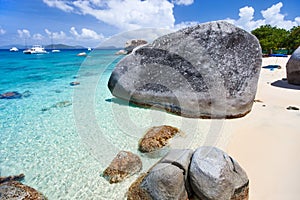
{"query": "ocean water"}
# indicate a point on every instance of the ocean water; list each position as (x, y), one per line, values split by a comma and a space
(62, 137)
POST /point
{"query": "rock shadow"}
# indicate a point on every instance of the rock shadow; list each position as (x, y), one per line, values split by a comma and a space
(284, 84)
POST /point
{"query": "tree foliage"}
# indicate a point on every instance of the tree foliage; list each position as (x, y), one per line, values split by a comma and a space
(273, 38)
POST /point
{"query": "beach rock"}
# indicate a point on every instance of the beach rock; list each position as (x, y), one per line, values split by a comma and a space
(156, 138)
(166, 180)
(293, 68)
(11, 95)
(11, 178)
(292, 108)
(131, 44)
(209, 70)
(123, 165)
(18, 191)
(215, 175)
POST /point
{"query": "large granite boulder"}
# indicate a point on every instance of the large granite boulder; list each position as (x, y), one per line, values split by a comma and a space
(209, 70)
(131, 44)
(166, 180)
(156, 138)
(122, 166)
(293, 68)
(215, 175)
(15, 190)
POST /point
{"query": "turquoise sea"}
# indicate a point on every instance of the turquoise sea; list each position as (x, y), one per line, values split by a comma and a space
(62, 137)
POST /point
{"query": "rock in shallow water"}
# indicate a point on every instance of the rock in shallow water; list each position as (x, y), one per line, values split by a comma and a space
(293, 68)
(15, 190)
(123, 165)
(156, 138)
(209, 70)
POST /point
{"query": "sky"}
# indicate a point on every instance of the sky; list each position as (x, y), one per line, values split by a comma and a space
(91, 22)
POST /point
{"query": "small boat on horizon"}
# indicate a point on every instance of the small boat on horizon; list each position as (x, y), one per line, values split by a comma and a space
(35, 49)
(55, 51)
(13, 49)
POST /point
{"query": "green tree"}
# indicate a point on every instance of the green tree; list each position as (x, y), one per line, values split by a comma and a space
(271, 38)
(293, 40)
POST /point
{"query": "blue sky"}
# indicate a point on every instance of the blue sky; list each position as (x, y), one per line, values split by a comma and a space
(88, 23)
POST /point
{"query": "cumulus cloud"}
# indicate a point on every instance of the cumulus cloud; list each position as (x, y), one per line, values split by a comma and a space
(2, 31)
(272, 16)
(183, 2)
(185, 24)
(86, 34)
(125, 14)
(38, 36)
(56, 35)
(63, 5)
(24, 33)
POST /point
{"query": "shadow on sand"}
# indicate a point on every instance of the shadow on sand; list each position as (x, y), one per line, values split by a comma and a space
(284, 84)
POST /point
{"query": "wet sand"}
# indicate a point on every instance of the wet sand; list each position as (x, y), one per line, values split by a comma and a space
(266, 142)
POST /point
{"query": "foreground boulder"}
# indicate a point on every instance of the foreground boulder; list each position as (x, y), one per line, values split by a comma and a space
(123, 165)
(17, 190)
(156, 138)
(131, 44)
(293, 68)
(209, 71)
(166, 180)
(215, 175)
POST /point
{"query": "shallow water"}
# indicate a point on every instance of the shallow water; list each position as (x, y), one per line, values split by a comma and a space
(62, 149)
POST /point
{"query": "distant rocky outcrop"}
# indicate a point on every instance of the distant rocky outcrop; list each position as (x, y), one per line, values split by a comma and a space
(121, 52)
(131, 44)
(123, 165)
(209, 71)
(156, 138)
(293, 68)
(208, 173)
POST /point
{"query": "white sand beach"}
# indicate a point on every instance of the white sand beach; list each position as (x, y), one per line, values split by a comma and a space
(266, 142)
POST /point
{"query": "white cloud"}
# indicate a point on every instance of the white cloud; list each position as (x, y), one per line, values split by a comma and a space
(125, 14)
(86, 34)
(185, 24)
(271, 16)
(38, 36)
(63, 5)
(183, 2)
(2, 31)
(56, 35)
(24, 33)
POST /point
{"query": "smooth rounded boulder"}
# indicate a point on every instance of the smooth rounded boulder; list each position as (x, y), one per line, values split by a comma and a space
(293, 68)
(215, 175)
(209, 70)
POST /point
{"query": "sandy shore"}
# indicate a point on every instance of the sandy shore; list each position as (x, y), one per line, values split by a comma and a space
(266, 142)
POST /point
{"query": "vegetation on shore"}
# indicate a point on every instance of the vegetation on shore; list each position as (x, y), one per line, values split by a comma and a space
(277, 40)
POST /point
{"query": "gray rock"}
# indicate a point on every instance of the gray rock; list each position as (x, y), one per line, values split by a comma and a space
(209, 70)
(122, 166)
(131, 44)
(293, 68)
(215, 175)
(166, 180)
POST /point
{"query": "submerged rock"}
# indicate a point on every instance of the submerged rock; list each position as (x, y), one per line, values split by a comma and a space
(11, 178)
(123, 165)
(18, 191)
(215, 175)
(11, 95)
(210, 71)
(156, 138)
(293, 68)
(74, 83)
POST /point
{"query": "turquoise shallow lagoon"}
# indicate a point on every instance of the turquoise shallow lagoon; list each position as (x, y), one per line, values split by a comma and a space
(63, 148)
